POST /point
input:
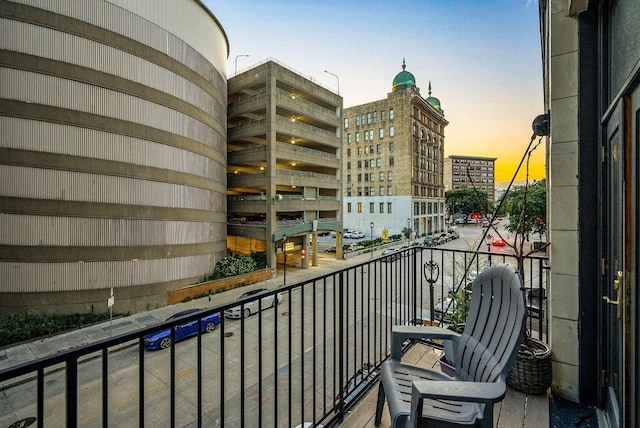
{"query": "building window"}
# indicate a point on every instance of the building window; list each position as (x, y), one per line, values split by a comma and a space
(375, 116)
(381, 132)
(359, 151)
(366, 191)
(392, 147)
(349, 178)
(389, 191)
(349, 165)
(349, 138)
(359, 164)
(348, 191)
(391, 161)
(366, 163)
(379, 148)
(381, 208)
(371, 178)
(359, 191)
(366, 135)
(360, 207)
(348, 207)
(381, 190)
(366, 178)
(368, 117)
(359, 178)
(389, 210)
(378, 162)
(357, 137)
(391, 131)
(366, 150)
(389, 175)
(346, 122)
(371, 207)
(381, 176)
(383, 115)
(363, 119)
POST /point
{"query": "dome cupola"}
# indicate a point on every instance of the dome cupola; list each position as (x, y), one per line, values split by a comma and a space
(404, 78)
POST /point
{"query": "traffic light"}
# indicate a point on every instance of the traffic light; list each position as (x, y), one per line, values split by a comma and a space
(303, 253)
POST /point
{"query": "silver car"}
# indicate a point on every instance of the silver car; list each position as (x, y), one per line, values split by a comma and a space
(253, 307)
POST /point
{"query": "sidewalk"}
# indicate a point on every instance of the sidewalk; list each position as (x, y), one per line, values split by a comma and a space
(29, 351)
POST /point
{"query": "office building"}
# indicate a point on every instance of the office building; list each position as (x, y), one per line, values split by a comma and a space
(393, 155)
(461, 172)
(283, 157)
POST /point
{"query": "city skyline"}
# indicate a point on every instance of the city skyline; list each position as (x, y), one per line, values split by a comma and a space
(482, 59)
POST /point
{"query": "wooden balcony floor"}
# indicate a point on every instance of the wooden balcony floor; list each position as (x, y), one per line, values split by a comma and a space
(516, 410)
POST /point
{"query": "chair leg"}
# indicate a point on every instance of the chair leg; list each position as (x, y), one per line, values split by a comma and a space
(379, 405)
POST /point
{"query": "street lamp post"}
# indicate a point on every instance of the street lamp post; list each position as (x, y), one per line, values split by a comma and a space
(284, 250)
(430, 268)
(236, 62)
(337, 79)
(371, 245)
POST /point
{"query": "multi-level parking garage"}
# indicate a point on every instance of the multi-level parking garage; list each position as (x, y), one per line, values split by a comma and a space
(284, 148)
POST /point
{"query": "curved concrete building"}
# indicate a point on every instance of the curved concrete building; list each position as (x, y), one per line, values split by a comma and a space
(112, 152)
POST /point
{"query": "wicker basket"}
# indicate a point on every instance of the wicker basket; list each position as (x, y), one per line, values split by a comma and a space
(531, 371)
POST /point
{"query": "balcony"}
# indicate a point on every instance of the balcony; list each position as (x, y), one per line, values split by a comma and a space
(299, 360)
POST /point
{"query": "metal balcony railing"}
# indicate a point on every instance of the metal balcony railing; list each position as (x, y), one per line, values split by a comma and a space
(306, 354)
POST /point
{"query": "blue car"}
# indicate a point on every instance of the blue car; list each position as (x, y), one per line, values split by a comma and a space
(162, 339)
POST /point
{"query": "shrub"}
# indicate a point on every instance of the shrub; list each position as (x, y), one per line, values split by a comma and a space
(19, 328)
(231, 266)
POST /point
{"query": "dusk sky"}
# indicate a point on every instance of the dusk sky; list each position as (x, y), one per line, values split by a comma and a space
(482, 57)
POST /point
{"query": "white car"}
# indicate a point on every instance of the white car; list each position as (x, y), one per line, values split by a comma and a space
(269, 301)
(357, 235)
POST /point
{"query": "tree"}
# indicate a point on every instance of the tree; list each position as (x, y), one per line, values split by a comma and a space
(468, 200)
(530, 218)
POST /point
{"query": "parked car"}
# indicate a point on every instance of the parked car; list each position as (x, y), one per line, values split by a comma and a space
(357, 234)
(162, 339)
(427, 242)
(330, 250)
(391, 255)
(247, 309)
(333, 234)
(453, 231)
(347, 235)
(498, 242)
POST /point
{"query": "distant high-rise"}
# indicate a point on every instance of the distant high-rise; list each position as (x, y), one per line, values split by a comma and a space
(283, 163)
(461, 172)
(393, 161)
(112, 152)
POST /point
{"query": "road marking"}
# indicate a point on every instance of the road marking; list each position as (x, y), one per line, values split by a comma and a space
(134, 397)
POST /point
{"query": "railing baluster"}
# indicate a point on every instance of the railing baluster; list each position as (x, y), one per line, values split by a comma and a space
(105, 387)
(72, 391)
(141, 381)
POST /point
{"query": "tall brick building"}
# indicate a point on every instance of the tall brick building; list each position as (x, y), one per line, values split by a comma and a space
(392, 154)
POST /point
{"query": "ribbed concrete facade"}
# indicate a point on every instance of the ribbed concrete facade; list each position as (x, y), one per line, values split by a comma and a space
(112, 152)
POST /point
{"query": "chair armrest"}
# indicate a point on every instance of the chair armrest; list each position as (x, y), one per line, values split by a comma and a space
(400, 333)
(476, 392)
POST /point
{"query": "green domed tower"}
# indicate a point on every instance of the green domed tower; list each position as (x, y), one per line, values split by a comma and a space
(433, 101)
(403, 79)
